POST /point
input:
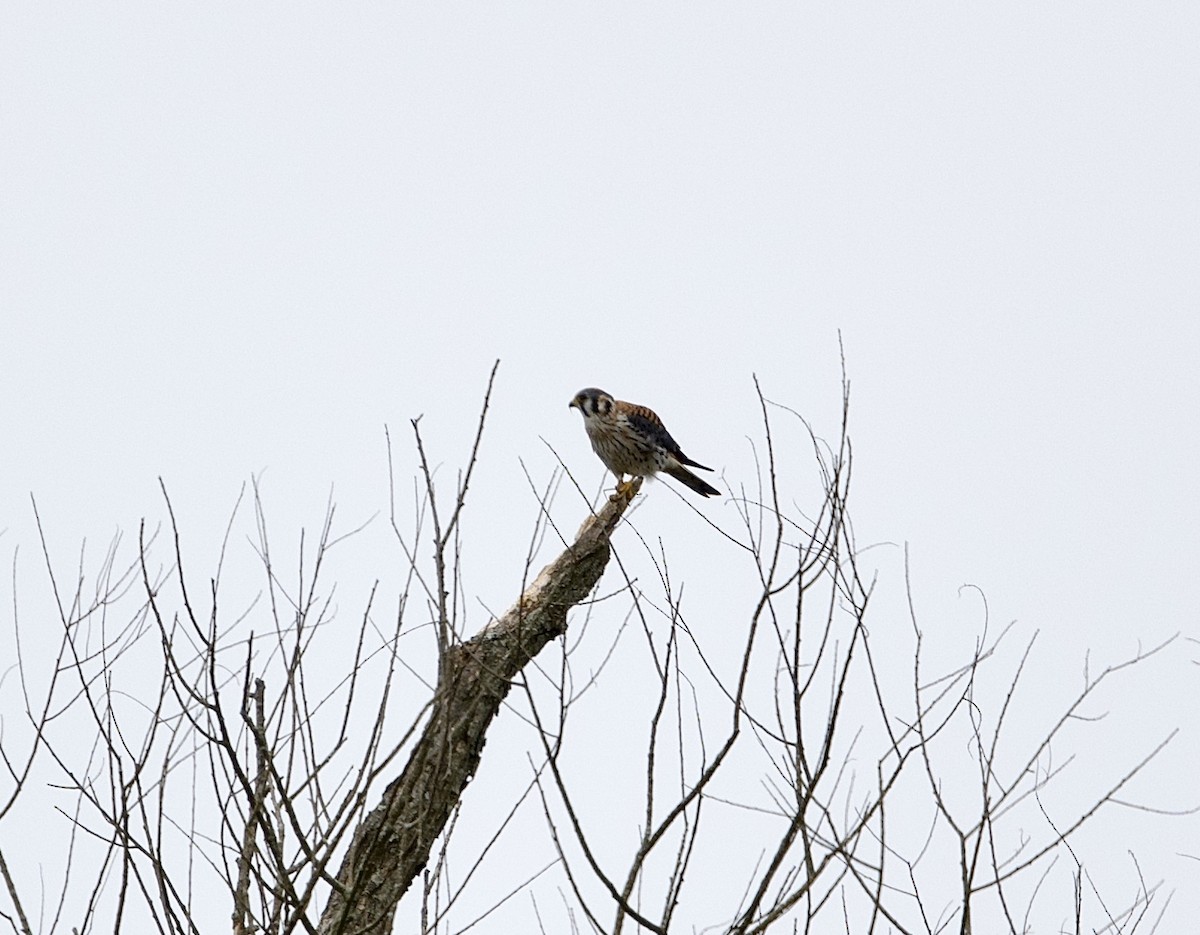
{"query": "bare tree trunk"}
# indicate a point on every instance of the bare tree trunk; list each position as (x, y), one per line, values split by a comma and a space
(393, 843)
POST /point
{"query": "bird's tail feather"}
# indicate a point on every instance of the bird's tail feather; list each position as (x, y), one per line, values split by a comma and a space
(687, 478)
(684, 459)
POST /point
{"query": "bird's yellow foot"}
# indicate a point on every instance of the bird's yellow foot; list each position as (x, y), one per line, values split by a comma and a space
(626, 489)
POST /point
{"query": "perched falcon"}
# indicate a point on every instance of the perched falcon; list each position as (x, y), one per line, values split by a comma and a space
(631, 439)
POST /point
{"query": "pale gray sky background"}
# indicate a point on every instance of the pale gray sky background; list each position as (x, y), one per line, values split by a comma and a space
(243, 238)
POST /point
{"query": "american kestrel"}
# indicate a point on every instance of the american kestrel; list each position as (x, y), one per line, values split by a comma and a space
(631, 439)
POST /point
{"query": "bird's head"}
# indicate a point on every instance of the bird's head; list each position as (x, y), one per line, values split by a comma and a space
(592, 402)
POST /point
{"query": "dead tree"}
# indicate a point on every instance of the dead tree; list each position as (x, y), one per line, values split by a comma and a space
(394, 841)
(223, 769)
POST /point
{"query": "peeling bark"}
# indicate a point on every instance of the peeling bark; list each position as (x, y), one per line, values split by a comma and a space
(393, 843)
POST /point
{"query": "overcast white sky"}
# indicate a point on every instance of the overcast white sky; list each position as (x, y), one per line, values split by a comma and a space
(237, 239)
